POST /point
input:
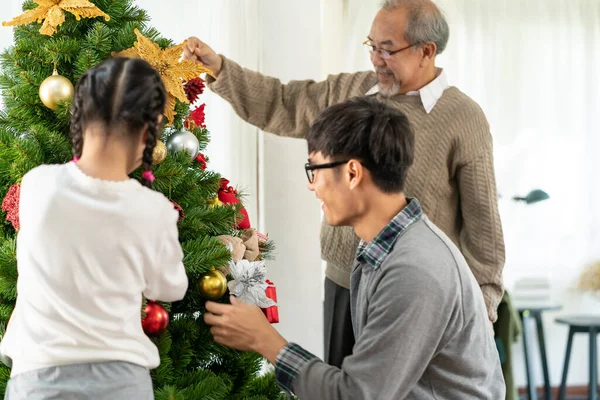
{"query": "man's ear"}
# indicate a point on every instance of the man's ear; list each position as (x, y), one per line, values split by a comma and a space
(355, 173)
(428, 51)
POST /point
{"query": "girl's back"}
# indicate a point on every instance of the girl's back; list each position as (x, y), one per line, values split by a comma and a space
(85, 251)
(92, 242)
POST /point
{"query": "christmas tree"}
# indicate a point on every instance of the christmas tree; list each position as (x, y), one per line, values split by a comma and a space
(55, 42)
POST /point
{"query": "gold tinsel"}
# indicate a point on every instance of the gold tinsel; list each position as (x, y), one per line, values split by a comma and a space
(166, 62)
(52, 13)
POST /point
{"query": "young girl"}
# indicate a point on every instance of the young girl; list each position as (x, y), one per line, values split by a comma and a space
(92, 242)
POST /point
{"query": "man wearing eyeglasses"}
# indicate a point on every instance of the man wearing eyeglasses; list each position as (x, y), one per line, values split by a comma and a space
(417, 311)
(453, 173)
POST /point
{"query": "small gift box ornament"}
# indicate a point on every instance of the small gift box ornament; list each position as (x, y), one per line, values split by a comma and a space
(272, 313)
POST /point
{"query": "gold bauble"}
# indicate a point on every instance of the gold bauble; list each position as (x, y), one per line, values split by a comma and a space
(212, 285)
(54, 89)
(160, 152)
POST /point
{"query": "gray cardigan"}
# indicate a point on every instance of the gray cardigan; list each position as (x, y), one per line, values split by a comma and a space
(422, 330)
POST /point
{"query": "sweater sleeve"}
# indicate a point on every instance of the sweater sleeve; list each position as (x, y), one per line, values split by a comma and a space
(481, 239)
(283, 109)
(166, 280)
(403, 332)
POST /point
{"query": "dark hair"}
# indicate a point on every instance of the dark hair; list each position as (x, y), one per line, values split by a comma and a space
(123, 94)
(377, 135)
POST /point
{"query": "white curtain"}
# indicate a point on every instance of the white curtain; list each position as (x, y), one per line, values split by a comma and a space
(533, 67)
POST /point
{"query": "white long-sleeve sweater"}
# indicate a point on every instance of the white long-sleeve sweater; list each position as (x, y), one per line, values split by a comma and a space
(87, 250)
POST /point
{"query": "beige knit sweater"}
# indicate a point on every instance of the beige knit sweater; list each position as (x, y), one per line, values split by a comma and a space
(453, 173)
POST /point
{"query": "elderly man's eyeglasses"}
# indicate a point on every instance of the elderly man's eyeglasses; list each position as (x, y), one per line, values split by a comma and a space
(385, 54)
(310, 168)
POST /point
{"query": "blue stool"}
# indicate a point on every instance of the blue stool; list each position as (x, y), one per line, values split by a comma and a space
(591, 326)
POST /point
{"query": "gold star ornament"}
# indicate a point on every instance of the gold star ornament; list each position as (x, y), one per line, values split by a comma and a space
(52, 14)
(172, 71)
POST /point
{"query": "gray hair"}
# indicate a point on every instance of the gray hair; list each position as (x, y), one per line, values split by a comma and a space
(426, 22)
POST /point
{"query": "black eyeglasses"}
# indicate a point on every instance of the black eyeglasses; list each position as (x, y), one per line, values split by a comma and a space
(311, 167)
(385, 54)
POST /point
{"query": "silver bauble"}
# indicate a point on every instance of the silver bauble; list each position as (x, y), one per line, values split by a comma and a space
(183, 140)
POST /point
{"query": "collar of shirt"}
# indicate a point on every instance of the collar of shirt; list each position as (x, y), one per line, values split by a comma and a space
(376, 251)
(430, 93)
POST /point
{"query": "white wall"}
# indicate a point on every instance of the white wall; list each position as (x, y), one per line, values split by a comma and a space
(289, 212)
(9, 9)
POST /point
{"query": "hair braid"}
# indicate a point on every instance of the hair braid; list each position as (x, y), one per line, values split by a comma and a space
(154, 110)
(76, 121)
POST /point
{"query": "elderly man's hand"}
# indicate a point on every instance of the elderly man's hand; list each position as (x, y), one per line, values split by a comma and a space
(198, 51)
(243, 327)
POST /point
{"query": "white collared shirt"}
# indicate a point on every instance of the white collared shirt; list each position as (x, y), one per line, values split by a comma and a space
(430, 93)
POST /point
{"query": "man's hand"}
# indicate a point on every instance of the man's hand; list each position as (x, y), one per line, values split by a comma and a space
(243, 327)
(198, 51)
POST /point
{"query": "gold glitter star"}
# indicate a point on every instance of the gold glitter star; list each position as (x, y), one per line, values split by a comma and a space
(52, 13)
(172, 71)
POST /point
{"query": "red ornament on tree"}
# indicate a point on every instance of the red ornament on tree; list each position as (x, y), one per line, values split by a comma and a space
(196, 118)
(193, 89)
(202, 160)
(10, 205)
(179, 210)
(156, 320)
(272, 313)
(228, 195)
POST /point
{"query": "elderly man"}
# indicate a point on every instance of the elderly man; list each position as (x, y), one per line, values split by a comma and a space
(453, 173)
(417, 311)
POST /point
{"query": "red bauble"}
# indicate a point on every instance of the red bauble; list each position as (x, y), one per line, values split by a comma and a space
(156, 321)
(10, 205)
(228, 195)
(193, 89)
